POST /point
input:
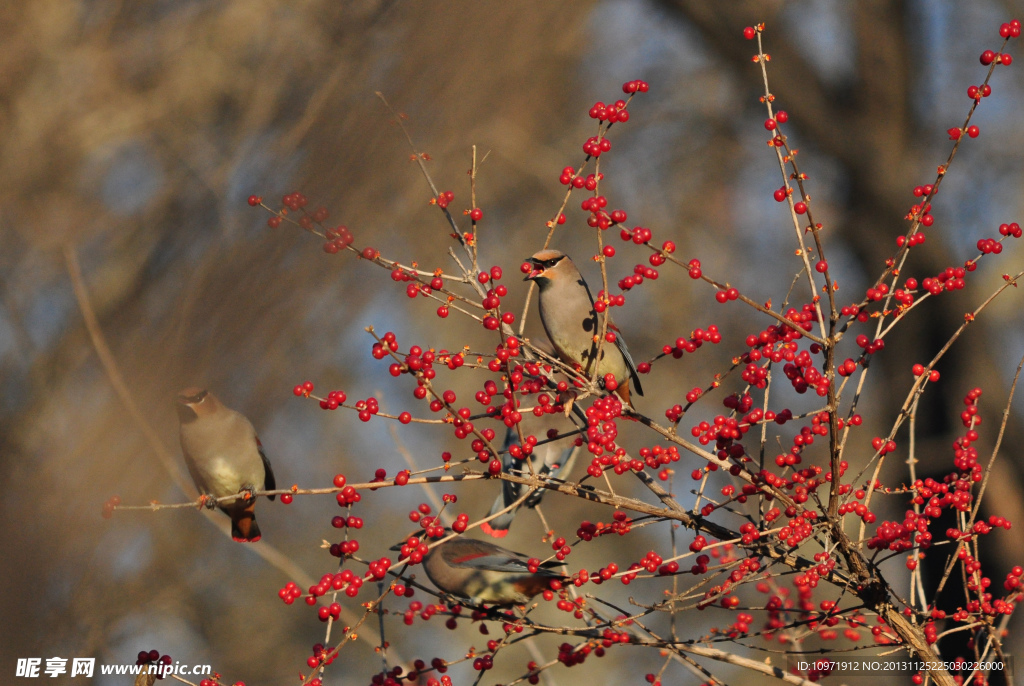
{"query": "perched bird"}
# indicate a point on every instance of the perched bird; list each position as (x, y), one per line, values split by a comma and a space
(548, 460)
(567, 312)
(224, 457)
(486, 573)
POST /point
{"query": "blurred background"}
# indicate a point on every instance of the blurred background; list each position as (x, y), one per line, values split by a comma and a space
(134, 132)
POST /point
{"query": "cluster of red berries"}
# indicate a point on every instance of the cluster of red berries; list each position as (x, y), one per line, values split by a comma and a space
(416, 607)
(571, 656)
(108, 507)
(338, 239)
(640, 272)
(601, 218)
(901, 536)
(392, 677)
(723, 430)
(990, 56)
(639, 235)
(912, 240)
(562, 550)
(951, 279)
(799, 528)
(289, 593)
(367, 408)
(588, 531)
(596, 145)
(352, 521)
(614, 112)
(601, 426)
(413, 551)
(803, 375)
(588, 182)
(294, 201)
(154, 658)
(333, 400)
(303, 389)
(697, 338)
(444, 199)
(777, 341)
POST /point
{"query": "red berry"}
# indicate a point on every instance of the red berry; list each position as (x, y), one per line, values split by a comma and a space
(749, 33)
(255, 200)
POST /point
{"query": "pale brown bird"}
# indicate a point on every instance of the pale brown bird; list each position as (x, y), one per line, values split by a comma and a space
(568, 315)
(486, 573)
(224, 457)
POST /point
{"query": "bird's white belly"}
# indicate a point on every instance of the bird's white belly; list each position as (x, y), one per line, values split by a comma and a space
(222, 479)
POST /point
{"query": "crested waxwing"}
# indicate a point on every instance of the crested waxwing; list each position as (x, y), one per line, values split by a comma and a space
(224, 457)
(485, 573)
(567, 313)
(548, 460)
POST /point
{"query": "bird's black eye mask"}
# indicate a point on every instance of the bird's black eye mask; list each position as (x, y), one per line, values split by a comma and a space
(191, 399)
(547, 264)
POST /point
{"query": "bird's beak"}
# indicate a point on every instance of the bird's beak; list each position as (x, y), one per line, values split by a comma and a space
(534, 273)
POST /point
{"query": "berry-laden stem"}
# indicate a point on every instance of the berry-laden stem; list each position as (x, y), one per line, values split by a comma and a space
(768, 97)
(742, 298)
(420, 377)
(921, 382)
(830, 339)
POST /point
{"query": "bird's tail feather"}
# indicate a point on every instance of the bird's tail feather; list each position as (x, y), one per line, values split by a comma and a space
(499, 526)
(244, 528)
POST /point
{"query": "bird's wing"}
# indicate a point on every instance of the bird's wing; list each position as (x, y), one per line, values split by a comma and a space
(269, 482)
(620, 343)
(483, 555)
